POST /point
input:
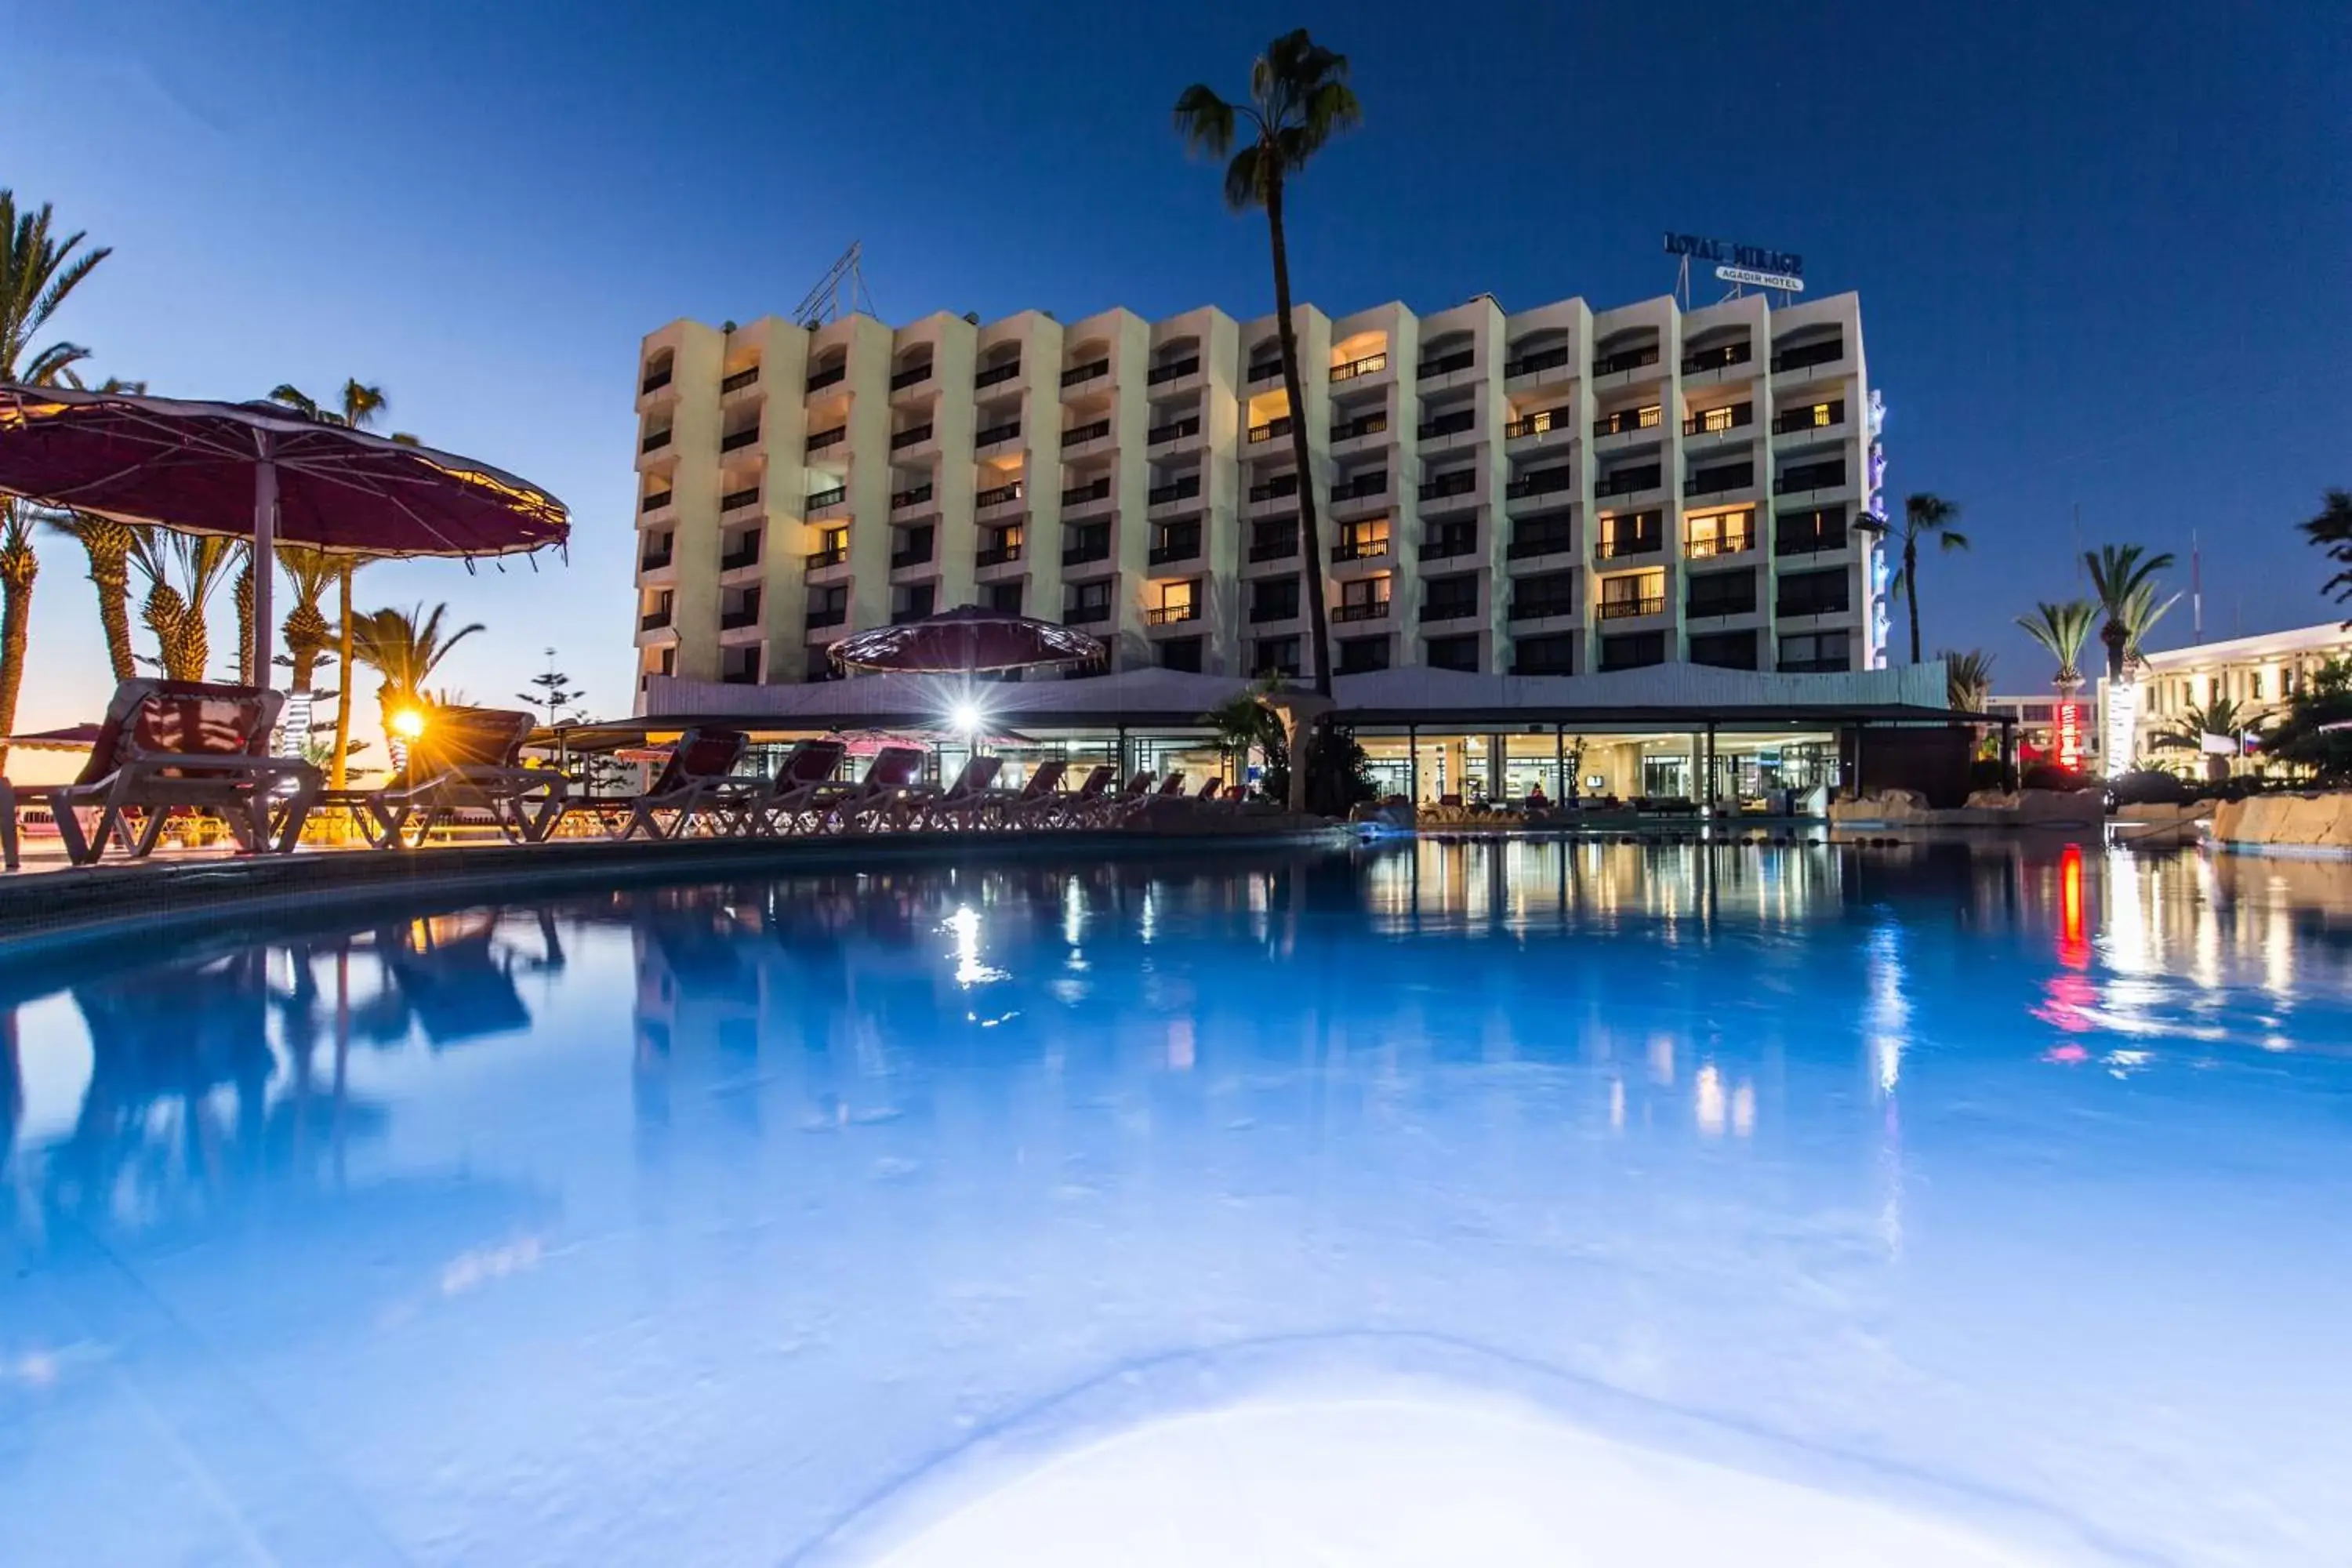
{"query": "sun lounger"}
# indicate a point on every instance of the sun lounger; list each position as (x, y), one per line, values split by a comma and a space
(697, 784)
(957, 805)
(865, 803)
(1039, 793)
(1075, 806)
(467, 759)
(9, 859)
(803, 787)
(182, 746)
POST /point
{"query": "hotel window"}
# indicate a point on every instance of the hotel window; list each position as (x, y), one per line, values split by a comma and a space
(1454, 653)
(1363, 593)
(1633, 650)
(1176, 603)
(1005, 598)
(1721, 593)
(1632, 594)
(1725, 650)
(1180, 653)
(1273, 599)
(1633, 533)
(833, 540)
(1822, 415)
(1554, 655)
(1084, 604)
(669, 660)
(1814, 652)
(1813, 594)
(1276, 656)
(1714, 419)
(1358, 655)
(1365, 540)
(1722, 533)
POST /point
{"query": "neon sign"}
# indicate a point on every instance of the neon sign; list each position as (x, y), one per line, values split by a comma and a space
(2070, 735)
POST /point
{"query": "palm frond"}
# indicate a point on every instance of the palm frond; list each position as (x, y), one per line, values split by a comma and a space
(1204, 121)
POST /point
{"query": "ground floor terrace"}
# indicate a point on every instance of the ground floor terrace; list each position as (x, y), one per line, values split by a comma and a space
(1729, 739)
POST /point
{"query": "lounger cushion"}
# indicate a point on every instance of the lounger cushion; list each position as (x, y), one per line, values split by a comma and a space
(180, 718)
(701, 754)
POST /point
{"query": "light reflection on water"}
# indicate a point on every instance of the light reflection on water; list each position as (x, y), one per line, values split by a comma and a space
(1972, 1161)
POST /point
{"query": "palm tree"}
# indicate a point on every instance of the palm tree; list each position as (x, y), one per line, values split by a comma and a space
(1925, 516)
(2221, 716)
(1298, 99)
(2332, 531)
(106, 543)
(38, 270)
(2118, 573)
(2141, 611)
(1967, 677)
(360, 404)
(307, 634)
(2061, 630)
(403, 646)
(182, 572)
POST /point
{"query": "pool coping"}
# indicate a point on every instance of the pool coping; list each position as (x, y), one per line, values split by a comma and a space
(56, 910)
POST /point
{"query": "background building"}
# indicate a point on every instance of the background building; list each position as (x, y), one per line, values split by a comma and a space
(1556, 491)
(2043, 733)
(2257, 673)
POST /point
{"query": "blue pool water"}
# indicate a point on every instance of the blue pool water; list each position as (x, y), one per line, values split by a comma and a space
(1437, 1203)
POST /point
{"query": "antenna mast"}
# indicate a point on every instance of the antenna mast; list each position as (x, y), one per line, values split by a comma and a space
(840, 292)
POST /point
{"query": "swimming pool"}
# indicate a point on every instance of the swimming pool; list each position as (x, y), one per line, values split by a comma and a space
(1500, 1201)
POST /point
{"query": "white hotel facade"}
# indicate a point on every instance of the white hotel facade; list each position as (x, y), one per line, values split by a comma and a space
(1554, 491)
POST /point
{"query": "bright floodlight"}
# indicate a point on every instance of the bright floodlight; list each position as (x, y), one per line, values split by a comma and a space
(408, 723)
(967, 718)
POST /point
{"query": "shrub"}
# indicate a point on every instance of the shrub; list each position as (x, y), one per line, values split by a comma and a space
(2049, 776)
(2147, 786)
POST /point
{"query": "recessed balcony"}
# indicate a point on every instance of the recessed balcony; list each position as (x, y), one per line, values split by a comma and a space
(996, 376)
(996, 435)
(831, 376)
(741, 381)
(1174, 431)
(1360, 610)
(1078, 376)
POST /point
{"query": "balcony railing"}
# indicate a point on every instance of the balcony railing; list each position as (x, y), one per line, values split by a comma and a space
(1161, 374)
(1078, 376)
(1708, 607)
(1176, 430)
(1362, 610)
(1808, 544)
(901, 500)
(1359, 549)
(1630, 481)
(1722, 357)
(1364, 425)
(655, 560)
(827, 615)
(1791, 605)
(1626, 421)
(1356, 367)
(1169, 614)
(819, 500)
(656, 381)
(1619, 546)
(1629, 609)
(1529, 542)
(824, 378)
(995, 374)
(1815, 416)
(1809, 355)
(735, 499)
(913, 375)
(1809, 477)
(1541, 482)
(1542, 359)
(997, 556)
(1078, 495)
(913, 433)
(1541, 607)
(1270, 429)
(1280, 547)
(742, 555)
(1361, 486)
(1715, 481)
(1629, 359)
(655, 442)
(743, 676)
(1279, 486)
(1176, 545)
(1089, 614)
(1443, 485)
(1181, 489)
(653, 620)
(1262, 611)
(913, 554)
(1086, 549)
(818, 560)
(1079, 435)
(1445, 546)
(739, 380)
(1448, 609)
(999, 494)
(1446, 364)
(1730, 541)
(995, 432)
(823, 440)
(1710, 421)
(1265, 370)
(1452, 423)
(655, 502)
(1542, 421)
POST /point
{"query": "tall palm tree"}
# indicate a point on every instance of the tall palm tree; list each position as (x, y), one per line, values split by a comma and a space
(2224, 716)
(38, 270)
(2119, 571)
(403, 646)
(1925, 516)
(2141, 611)
(1967, 677)
(182, 572)
(106, 543)
(1298, 99)
(306, 634)
(2331, 529)
(2061, 630)
(361, 404)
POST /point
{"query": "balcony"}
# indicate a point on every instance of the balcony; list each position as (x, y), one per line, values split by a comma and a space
(655, 560)
(1362, 424)
(654, 620)
(1446, 364)
(913, 375)
(745, 676)
(1363, 487)
(1368, 365)
(1078, 376)
(1170, 615)
(1625, 359)
(1000, 555)
(735, 501)
(1092, 613)
(818, 560)
(1184, 489)
(832, 376)
(1542, 607)
(655, 502)
(1555, 358)
(1809, 355)
(737, 619)
(1359, 549)
(1176, 544)
(1715, 421)
(1176, 430)
(655, 442)
(996, 433)
(820, 500)
(902, 439)
(1626, 421)
(1717, 481)
(1717, 606)
(996, 376)
(1275, 488)
(1446, 546)
(1281, 607)
(656, 382)
(1449, 609)
(1086, 549)
(1619, 547)
(1722, 357)
(1265, 370)
(1529, 542)
(1809, 476)
(913, 554)
(1796, 606)
(1815, 416)
(1000, 494)
(1079, 495)
(1632, 609)
(1731, 542)
(822, 441)
(738, 381)
(1541, 482)
(1270, 429)
(1542, 421)
(1462, 483)
(821, 615)
(1279, 547)
(901, 500)
(1810, 542)
(1177, 370)
(1630, 481)
(744, 554)
(1362, 610)
(1079, 435)
(1453, 423)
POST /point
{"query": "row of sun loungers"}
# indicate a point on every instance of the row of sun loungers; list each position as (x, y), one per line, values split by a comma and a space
(170, 750)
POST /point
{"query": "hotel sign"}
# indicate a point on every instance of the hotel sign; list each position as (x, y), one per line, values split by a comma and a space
(1780, 264)
(1788, 281)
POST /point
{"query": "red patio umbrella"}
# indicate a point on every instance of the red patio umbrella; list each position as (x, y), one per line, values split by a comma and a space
(967, 640)
(72, 738)
(263, 472)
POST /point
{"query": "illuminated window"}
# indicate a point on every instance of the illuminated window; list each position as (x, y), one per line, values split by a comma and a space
(1176, 595)
(1714, 419)
(1822, 414)
(1646, 417)
(837, 540)
(1722, 533)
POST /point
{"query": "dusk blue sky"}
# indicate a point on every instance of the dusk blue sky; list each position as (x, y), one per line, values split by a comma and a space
(2102, 250)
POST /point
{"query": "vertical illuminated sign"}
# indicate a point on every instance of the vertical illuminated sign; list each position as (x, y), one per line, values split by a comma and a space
(2070, 735)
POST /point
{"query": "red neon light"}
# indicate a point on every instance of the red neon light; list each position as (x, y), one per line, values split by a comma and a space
(2074, 951)
(2070, 736)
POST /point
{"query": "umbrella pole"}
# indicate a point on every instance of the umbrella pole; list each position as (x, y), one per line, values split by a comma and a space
(264, 560)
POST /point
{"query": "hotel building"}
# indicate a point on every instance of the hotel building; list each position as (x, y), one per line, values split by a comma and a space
(2258, 673)
(1555, 491)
